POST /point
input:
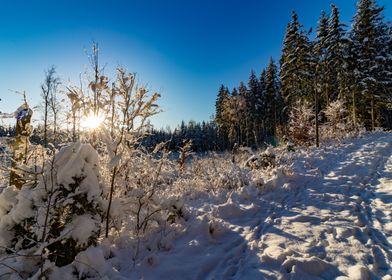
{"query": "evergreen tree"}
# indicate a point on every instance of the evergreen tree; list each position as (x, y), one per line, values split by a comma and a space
(296, 64)
(387, 116)
(336, 45)
(321, 52)
(222, 95)
(256, 106)
(234, 106)
(220, 119)
(271, 99)
(261, 103)
(369, 52)
(245, 114)
(288, 61)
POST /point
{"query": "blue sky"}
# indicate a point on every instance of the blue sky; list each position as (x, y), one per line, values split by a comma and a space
(182, 49)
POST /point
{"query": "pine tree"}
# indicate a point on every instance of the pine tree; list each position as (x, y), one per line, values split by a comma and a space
(368, 49)
(296, 64)
(288, 62)
(387, 111)
(336, 45)
(222, 95)
(245, 113)
(271, 99)
(231, 115)
(261, 103)
(322, 91)
(220, 119)
(255, 106)
(321, 52)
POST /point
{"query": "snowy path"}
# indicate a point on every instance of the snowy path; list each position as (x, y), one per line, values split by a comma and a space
(332, 219)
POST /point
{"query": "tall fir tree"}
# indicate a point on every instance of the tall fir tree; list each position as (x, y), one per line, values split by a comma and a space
(288, 61)
(222, 95)
(336, 55)
(368, 50)
(272, 110)
(220, 117)
(261, 108)
(321, 50)
(232, 113)
(296, 64)
(386, 112)
(256, 105)
(245, 114)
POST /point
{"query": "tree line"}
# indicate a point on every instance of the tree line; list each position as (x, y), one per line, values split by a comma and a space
(344, 69)
(340, 81)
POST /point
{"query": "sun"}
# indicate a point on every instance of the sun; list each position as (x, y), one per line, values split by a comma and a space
(92, 121)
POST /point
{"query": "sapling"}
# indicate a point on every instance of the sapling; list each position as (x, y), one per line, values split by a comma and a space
(135, 106)
(21, 143)
(185, 153)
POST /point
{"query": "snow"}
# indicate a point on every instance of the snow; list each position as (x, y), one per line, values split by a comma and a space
(328, 216)
(319, 213)
(81, 228)
(75, 161)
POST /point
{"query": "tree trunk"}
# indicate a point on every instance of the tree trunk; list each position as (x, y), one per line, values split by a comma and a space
(54, 124)
(46, 123)
(372, 111)
(354, 110)
(316, 97)
(110, 200)
(74, 126)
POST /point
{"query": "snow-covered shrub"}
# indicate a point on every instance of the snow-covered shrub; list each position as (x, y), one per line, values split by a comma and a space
(77, 212)
(60, 216)
(301, 129)
(337, 124)
(185, 153)
(240, 153)
(265, 159)
(233, 178)
(21, 143)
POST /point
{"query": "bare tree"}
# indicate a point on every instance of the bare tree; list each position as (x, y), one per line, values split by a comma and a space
(135, 106)
(99, 82)
(48, 87)
(55, 106)
(75, 97)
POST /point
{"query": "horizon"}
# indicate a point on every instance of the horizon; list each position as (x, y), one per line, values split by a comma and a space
(184, 51)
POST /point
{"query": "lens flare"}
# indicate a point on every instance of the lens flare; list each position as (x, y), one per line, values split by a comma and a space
(92, 121)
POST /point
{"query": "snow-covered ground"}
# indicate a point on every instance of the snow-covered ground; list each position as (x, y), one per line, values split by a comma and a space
(328, 216)
(321, 213)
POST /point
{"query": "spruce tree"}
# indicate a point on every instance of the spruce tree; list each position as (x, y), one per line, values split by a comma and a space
(296, 64)
(271, 99)
(288, 62)
(222, 95)
(387, 112)
(245, 103)
(368, 48)
(220, 119)
(336, 45)
(321, 52)
(232, 113)
(261, 103)
(255, 106)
